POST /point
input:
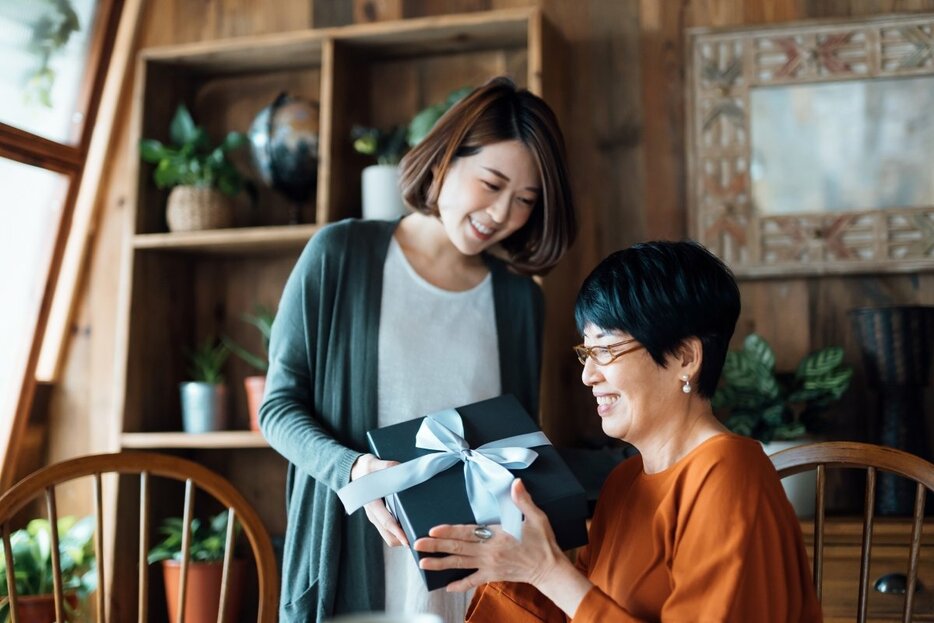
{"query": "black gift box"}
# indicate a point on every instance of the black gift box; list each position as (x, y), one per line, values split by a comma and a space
(443, 498)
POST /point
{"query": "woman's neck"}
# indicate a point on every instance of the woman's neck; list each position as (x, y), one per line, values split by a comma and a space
(681, 434)
(429, 251)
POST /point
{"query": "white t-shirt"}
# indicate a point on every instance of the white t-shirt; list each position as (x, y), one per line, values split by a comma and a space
(437, 349)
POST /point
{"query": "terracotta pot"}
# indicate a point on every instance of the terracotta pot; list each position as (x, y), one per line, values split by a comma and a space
(41, 608)
(255, 388)
(202, 600)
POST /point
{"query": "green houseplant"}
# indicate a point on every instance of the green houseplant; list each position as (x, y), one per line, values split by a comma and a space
(255, 385)
(204, 396)
(774, 406)
(206, 554)
(425, 120)
(201, 176)
(779, 409)
(31, 550)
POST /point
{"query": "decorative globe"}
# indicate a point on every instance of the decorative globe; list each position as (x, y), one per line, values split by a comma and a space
(284, 146)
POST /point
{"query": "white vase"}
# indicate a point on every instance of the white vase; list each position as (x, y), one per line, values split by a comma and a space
(382, 198)
(800, 488)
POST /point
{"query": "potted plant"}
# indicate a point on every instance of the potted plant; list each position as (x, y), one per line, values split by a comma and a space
(205, 569)
(204, 397)
(381, 196)
(255, 385)
(201, 177)
(32, 560)
(780, 409)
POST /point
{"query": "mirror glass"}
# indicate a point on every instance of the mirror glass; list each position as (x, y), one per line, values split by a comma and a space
(843, 146)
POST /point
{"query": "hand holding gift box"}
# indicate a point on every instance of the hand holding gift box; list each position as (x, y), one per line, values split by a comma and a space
(490, 438)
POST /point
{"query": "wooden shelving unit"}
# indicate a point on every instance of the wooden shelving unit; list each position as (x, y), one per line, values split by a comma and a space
(245, 240)
(229, 439)
(185, 287)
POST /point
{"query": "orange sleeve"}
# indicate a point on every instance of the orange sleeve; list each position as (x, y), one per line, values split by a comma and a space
(597, 606)
(514, 602)
(517, 602)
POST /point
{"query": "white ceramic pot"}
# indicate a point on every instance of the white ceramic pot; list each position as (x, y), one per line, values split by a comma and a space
(382, 198)
(800, 488)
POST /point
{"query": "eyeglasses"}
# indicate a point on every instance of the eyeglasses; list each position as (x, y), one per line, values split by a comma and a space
(604, 355)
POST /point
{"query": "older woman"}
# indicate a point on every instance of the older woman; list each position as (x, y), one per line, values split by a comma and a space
(695, 528)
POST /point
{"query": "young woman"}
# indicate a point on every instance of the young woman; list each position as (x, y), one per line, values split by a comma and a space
(695, 528)
(381, 322)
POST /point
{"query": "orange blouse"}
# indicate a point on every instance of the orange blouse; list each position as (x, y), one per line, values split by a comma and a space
(711, 538)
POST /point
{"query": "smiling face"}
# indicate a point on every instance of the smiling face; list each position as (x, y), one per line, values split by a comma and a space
(633, 391)
(488, 196)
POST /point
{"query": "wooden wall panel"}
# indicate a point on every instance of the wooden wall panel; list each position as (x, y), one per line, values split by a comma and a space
(625, 132)
(795, 315)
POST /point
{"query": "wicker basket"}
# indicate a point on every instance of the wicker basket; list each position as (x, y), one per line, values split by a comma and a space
(191, 208)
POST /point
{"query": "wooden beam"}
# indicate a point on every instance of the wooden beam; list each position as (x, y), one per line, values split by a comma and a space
(87, 203)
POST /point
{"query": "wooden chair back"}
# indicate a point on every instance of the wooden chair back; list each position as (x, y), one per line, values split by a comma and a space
(146, 465)
(872, 458)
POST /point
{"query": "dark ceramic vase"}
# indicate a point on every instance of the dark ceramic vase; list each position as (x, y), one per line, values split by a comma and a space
(897, 344)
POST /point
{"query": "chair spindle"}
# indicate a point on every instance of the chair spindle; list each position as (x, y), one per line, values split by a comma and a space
(819, 530)
(868, 518)
(143, 547)
(916, 525)
(10, 578)
(56, 559)
(228, 557)
(99, 547)
(186, 548)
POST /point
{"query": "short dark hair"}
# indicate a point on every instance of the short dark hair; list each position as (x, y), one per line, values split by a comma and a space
(495, 112)
(662, 293)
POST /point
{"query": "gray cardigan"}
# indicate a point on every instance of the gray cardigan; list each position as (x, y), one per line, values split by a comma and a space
(321, 400)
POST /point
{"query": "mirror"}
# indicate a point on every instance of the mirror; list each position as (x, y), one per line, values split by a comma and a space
(811, 146)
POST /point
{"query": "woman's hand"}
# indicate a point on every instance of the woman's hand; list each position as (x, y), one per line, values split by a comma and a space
(376, 510)
(536, 560)
(501, 557)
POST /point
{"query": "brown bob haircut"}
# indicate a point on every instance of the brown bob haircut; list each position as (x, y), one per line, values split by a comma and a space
(495, 112)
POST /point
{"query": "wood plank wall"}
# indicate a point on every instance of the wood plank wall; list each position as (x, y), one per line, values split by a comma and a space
(625, 131)
(795, 315)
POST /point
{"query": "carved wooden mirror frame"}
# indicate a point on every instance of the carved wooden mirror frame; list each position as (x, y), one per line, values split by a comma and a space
(723, 65)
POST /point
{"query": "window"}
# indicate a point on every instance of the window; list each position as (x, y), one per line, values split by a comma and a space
(55, 54)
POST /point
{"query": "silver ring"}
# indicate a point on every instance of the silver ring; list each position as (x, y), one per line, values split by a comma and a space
(483, 533)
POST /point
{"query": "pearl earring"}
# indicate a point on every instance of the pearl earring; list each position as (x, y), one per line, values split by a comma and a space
(686, 388)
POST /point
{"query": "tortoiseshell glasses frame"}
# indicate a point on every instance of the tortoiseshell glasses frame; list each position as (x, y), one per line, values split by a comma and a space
(604, 355)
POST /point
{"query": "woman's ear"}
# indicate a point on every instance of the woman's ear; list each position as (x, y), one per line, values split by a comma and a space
(690, 357)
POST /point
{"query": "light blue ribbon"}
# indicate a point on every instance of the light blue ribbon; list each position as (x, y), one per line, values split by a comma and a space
(486, 470)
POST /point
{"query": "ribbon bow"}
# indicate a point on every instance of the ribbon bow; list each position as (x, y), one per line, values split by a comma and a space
(486, 470)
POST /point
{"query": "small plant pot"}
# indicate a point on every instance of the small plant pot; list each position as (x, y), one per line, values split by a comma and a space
(41, 608)
(382, 198)
(204, 407)
(800, 489)
(255, 388)
(193, 208)
(202, 599)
